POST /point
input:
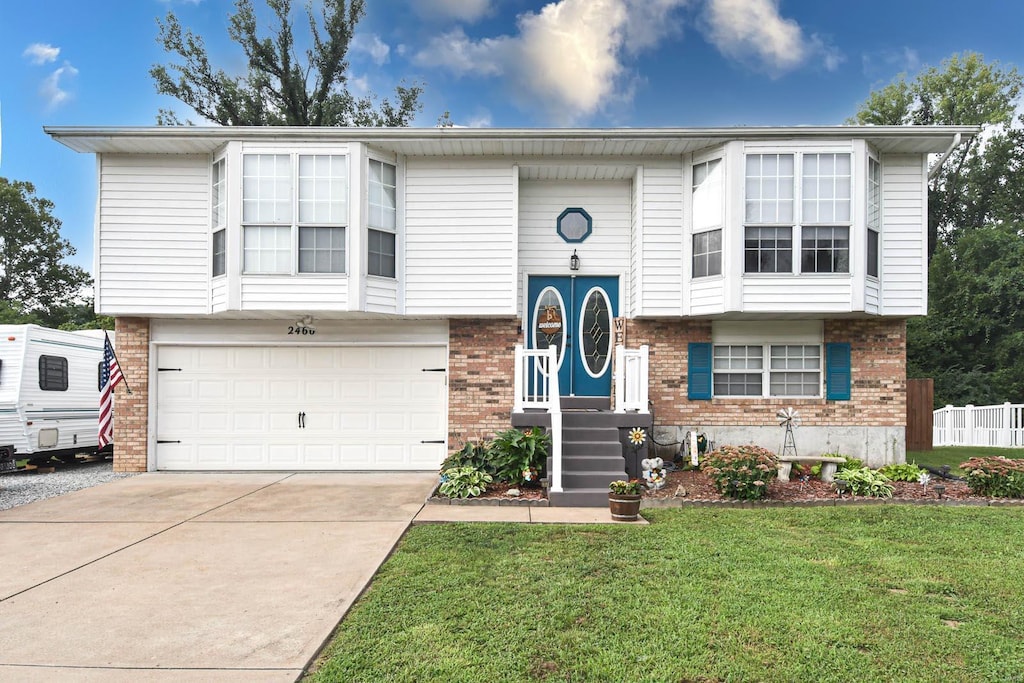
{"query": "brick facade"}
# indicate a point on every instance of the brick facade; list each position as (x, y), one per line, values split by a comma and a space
(878, 374)
(481, 360)
(131, 411)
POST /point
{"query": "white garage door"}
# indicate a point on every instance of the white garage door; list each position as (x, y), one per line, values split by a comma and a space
(301, 408)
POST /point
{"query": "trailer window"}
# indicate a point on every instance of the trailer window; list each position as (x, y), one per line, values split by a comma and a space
(53, 373)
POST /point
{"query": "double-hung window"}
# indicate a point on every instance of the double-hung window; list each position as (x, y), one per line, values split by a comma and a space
(825, 232)
(874, 217)
(776, 218)
(708, 218)
(791, 370)
(219, 220)
(294, 212)
(382, 219)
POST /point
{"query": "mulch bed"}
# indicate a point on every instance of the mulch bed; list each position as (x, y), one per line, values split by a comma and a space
(694, 485)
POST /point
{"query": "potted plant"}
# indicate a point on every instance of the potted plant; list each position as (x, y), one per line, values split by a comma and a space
(624, 500)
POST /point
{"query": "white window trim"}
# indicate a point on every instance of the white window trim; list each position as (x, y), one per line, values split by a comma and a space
(872, 157)
(217, 227)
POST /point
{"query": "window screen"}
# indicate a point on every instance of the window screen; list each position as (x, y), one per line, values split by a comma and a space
(53, 373)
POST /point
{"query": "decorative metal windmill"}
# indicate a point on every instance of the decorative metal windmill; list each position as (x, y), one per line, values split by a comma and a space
(790, 419)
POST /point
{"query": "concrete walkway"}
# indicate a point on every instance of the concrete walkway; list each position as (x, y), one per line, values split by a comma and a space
(205, 577)
(192, 577)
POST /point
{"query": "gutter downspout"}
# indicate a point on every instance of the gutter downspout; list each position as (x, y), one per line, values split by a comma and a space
(957, 139)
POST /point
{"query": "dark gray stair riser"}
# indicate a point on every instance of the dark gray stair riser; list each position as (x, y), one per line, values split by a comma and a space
(592, 448)
(589, 480)
(575, 420)
(591, 463)
(588, 498)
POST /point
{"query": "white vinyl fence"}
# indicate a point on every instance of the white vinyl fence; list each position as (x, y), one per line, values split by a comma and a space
(1001, 426)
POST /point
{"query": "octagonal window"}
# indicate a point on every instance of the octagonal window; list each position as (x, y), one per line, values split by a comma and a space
(575, 225)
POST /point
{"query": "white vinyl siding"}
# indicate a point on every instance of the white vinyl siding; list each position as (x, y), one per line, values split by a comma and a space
(663, 239)
(605, 252)
(904, 239)
(154, 234)
(219, 295)
(310, 292)
(460, 237)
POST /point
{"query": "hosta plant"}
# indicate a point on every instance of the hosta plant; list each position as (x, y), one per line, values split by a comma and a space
(463, 482)
(472, 455)
(997, 476)
(864, 481)
(902, 472)
(742, 472)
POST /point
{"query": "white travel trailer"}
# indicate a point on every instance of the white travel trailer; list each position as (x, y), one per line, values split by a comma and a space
(49, 392)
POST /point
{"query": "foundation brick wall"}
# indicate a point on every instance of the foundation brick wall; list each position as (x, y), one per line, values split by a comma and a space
(131, 411)
(878, 374)
(481, 364)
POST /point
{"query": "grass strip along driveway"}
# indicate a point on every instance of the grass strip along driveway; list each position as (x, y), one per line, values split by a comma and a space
(872, 593)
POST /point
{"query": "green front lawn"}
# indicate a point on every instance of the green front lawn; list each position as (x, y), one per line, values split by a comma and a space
(954, 455)
(873, 593)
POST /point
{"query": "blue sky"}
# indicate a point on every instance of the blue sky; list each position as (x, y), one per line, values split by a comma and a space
(494, 63)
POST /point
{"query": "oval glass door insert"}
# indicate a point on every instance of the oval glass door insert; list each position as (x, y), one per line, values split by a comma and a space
(549, 322)
(595, 335)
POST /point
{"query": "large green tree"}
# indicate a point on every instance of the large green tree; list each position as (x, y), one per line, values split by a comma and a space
(280, 88)
(36, 284)
(964, 90)
(972, 342)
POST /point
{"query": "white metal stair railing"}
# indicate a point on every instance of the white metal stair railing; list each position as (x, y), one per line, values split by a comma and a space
(997, 425)
(632, 367)
(536, 386)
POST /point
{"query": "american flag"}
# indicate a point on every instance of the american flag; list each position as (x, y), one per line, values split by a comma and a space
(110, 375)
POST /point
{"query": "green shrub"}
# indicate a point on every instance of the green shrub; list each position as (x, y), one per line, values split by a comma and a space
(742, 472)
(996, 476)
(517, 456)
(463, 482)
(865, 481)
(902, 472)
(472, 455)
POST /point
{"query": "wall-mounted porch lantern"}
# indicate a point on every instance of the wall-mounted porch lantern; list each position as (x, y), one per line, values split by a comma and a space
(574, 261)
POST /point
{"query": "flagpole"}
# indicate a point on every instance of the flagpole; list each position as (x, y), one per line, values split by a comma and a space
(113, 351)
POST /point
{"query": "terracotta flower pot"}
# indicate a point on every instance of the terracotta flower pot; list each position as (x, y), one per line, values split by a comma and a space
(625, 507)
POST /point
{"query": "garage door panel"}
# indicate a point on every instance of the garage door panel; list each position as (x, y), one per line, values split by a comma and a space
(238, 408)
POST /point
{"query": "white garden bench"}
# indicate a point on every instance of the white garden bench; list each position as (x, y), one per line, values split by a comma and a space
(828, 465)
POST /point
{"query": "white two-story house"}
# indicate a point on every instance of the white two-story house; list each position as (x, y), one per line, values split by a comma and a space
(368, 299)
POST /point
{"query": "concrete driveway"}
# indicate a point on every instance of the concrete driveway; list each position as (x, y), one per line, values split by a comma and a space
(192, 577)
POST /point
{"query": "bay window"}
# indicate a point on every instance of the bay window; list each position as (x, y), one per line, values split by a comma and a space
(874, 214)
(294, 211)
(218, 212)
(708, 217)
(818, 218)
(382, 220)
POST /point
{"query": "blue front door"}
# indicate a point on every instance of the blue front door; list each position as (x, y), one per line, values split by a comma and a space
(574, 314)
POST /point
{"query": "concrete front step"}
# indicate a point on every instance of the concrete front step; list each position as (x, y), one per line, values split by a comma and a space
(582, 498)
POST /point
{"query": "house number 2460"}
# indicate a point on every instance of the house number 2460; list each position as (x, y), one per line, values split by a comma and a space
(301, 329)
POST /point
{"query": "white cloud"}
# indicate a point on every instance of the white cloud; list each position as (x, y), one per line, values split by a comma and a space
(359, 86)
(567, 56)
(41, 53)
(886, 62)
(479, 121)
(754, 33)
(372, 45)
(467, 11)
(52, 89)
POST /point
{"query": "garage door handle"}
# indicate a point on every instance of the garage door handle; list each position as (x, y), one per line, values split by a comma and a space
(435, 370)
(302, 420)
(168, 369)
(166, 441)
(429, 441)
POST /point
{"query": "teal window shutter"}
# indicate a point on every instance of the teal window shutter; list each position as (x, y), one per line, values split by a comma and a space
(837, 371)
(698, 384)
